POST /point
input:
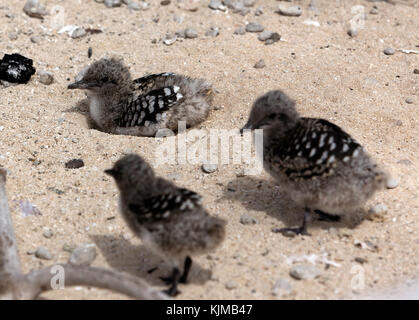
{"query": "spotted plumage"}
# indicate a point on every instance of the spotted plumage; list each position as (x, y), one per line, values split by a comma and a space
(142, 110)
(145, 84)
(170, 221)
(313, 148)
(141, 107)
(318, 164)
(161, 206)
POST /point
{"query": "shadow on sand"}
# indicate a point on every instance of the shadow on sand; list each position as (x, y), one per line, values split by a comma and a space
(264, 195)
(82, 107)
(138, 260)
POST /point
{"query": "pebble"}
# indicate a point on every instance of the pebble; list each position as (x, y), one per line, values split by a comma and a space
(409, 100)
(353, 31)
(77, 32)
(237, 6)
(389, 51)
(47, 233)
(259, 11)
(215, 4)
(416, 71)
(247, 219)
(69, 247)
(35, 39)
(260, 64)
(45, 77)
(13, 36)
(392, 183)
(35, 9)
(291, 11)
(212, 32)
(304, 272)
(165, 2)
(360, 260)
(265, 35)
(169, 39)
(274, 38)
(366, 245)
(313, 23)
(132, 5)
(43, 253)
(240, 30)
(254, 27)
(74, 164)
(209, 167)
(84, 255)
(230, 285)
(144, 5)
(378, 209)
(191, 33)
(282, 287)
(373, 11)
(113, 3)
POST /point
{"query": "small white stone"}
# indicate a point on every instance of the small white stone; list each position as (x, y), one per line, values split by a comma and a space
(292, 11)
(85, 254)
(47, 233)
(209, 168)
(282, 288)
(304, 272)
(379, 208)
(230, 285)
(392, 183)
(46, 77)
(43, 253)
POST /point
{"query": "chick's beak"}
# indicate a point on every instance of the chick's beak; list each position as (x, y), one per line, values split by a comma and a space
(82, 85)
(110, 172)
(247, 126)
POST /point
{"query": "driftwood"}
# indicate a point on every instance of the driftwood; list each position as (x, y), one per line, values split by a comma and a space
(16, 285)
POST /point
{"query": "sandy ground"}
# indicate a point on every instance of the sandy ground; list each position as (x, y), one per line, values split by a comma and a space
(348, 81)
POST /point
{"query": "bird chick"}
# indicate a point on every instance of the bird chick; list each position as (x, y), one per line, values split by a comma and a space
(319, 165)
(119, 105)
(169, 220)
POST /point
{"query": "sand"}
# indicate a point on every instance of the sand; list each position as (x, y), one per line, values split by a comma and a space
(348, 81)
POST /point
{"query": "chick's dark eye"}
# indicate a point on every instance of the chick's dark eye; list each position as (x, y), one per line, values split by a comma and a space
(272, 116)
(105, 79)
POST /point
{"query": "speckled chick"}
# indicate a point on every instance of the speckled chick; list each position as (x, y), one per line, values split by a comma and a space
(169, 220)
(119, 105)
(319, 165)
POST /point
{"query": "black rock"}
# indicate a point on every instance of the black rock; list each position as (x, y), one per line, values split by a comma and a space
(16, 68)
(74, 164)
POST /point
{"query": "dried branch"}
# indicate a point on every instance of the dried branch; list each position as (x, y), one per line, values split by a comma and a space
(121, 282)
(15, 285)
(9, 257)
